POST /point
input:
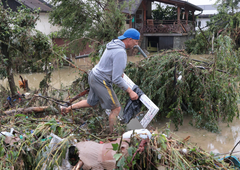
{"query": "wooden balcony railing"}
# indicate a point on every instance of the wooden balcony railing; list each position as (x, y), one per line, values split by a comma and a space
(166, 26)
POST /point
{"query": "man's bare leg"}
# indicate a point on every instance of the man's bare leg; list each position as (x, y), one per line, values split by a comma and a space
(78, 105)
(113, 118)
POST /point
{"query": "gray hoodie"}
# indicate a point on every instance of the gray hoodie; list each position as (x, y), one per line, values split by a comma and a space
(112, 64)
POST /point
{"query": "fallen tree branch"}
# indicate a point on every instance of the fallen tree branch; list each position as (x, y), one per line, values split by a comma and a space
(27, 110)
(53, 100)
(79, 95)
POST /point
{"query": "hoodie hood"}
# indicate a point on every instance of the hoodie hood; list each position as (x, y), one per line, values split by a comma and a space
(115, 44)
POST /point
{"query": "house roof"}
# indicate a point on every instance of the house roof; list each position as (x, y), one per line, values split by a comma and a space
(206, 15)
(179, 3)
(133, 8)
(35, 4)
(208, 7)
(183, 4)
(32, 4)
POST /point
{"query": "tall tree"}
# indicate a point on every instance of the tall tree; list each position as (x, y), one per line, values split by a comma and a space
(20, 43)
(93, 21)
(231, 5)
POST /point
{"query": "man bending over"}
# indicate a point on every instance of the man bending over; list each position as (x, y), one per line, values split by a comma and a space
(109, 71)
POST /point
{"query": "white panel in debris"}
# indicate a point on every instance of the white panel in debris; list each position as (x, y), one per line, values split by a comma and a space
(152, 108)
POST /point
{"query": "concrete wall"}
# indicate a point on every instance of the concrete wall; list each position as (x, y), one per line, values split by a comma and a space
(178, 41)
(44, 26)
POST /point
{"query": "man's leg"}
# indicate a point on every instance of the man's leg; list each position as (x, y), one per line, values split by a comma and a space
(78, 105)
(113, 118)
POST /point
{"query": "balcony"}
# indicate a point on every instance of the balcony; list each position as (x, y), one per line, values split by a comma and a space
(168, 26)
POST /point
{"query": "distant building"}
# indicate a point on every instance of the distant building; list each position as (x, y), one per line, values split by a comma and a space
(204, 17)
(162, 34)
(43, 24)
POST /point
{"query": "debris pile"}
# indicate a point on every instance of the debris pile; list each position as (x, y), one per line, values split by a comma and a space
(35, 135)
(51, 142)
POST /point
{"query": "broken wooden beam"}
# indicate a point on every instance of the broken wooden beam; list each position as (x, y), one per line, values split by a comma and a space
(27, 110)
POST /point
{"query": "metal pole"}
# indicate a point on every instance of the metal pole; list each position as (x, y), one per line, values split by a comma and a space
(141, 51)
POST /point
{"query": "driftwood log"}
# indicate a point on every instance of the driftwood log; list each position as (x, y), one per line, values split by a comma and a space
(78, 96)
(27, 110)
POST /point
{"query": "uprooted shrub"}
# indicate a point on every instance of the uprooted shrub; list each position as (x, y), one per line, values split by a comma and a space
(179, 86)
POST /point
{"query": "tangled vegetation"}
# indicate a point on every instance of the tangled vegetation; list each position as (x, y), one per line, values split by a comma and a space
(31, 144)
(174, 82)
(179, 86)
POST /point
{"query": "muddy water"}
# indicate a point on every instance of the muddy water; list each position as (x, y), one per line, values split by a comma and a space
(222, 142)
(217, 143)
(60, 77)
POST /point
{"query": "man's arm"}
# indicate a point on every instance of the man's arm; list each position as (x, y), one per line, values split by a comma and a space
(132, 94)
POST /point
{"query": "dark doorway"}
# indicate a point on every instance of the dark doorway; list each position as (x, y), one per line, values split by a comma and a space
(152, 44)
(165, 43)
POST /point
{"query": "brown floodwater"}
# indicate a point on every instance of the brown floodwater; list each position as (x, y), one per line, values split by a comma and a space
(60, 77)
(222, 142)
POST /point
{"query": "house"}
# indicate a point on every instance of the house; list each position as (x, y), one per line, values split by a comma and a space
(164, 34)
(202, 19)
(43, 24)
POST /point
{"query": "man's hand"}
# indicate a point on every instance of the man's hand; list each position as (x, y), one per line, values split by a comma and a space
(132, 94)
(64, 110)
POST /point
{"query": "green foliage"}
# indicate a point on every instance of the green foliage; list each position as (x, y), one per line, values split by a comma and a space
(167, 13)
(88, 22)
(226, 57)
(225, 22)
(23, 49)
(229, 5)
(206, 95)
(177, 155)
(164, 12)
(199, 45)
(33, 151)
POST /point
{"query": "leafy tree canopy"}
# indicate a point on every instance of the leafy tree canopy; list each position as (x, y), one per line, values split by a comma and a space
(225, 23)
(20, 44)
(167, 13)
(93, 21)
(164, 13)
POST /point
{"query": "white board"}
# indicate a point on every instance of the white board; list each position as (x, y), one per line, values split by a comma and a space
(152, 108)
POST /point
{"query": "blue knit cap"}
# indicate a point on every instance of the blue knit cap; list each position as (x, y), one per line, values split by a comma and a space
(130, 33)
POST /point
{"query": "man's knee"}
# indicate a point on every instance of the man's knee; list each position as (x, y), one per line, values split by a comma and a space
(117, 109)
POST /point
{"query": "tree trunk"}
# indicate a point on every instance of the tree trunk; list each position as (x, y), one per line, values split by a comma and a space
(11, 82)
(10, 77)
(27, 110)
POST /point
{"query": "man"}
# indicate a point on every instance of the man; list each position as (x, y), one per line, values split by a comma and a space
(110, 70)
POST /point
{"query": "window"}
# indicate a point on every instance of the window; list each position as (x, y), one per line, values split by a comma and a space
(199, 23)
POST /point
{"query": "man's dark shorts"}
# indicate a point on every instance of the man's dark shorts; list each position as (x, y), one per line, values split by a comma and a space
(101, 91)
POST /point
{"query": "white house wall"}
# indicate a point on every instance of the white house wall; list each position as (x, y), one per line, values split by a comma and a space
(203, 23)
(44, 26)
